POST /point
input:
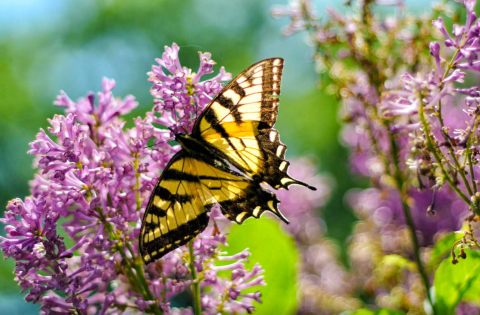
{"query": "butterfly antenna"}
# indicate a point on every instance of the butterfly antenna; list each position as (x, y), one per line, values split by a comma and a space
(196, 46)
(298, 182)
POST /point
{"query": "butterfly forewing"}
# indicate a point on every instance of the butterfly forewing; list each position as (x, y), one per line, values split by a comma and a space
(238, 124)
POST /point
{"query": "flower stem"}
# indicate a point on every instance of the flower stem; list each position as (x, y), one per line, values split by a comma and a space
(408, 216)
(137, 280)
(138, 200)
(450, 150)
(438, 158)
(196, 284)
(469, 156)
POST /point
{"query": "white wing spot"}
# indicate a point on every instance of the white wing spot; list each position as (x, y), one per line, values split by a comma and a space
(283, 165)
(270, 205)
(273, 134)
(280, 150)
(240, 216)
(286, 180)
(256, 211)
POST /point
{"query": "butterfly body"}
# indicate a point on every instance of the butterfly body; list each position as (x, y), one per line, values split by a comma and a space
(235, 129)
(193, 146)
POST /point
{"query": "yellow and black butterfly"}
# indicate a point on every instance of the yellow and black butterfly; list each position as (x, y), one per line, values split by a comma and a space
(235, 128)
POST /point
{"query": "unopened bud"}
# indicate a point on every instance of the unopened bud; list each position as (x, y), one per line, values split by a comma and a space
(462, 253)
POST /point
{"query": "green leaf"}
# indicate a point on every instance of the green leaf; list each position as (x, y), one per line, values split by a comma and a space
(455, 283)
(276, 252)
(442, 248)
(399, 261)
(382, 311)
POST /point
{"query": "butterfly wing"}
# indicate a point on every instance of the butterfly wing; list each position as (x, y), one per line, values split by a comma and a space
(187, 189)
(238, 125)
(175, 213)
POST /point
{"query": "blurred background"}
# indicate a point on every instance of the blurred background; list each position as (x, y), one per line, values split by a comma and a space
(52, 45)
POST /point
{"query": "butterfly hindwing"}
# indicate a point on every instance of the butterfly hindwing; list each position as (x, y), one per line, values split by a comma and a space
(239, 197)
(186, 191)
(238, 124)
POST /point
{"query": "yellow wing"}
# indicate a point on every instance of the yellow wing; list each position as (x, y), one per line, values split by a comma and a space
(238, 125)
(186, 191)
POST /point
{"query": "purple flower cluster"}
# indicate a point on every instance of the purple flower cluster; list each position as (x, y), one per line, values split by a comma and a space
(75, 239)
(179, 94)
(322, 279)
(434, 107)
(405, 111)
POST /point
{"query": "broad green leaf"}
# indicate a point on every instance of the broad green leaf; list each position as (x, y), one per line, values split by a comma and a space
(443, 247)
(382, 311)
(399, 261)
(276, 252)
(455, 283)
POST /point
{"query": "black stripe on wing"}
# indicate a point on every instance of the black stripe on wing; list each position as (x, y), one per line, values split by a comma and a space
(174, 214)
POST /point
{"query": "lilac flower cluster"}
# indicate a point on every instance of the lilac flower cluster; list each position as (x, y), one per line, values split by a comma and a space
(431, 103)
(75, 239)
(322, 279)
(409, 139)
(180, 95)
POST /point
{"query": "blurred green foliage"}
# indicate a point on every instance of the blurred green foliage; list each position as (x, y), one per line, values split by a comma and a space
(455, 283)
(279, 259)
(382, 311)
(442, 249)
(49, 45)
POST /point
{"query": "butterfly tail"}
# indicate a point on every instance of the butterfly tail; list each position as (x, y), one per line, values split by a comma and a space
(257, 200)
(298, 182)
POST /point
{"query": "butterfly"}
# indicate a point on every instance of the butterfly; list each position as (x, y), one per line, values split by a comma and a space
(236, 128)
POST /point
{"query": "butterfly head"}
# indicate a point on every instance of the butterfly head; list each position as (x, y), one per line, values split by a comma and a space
(191, 144)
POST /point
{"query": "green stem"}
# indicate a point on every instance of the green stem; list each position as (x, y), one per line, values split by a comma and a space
(468, 153)
(408, 216)
(458, 168)
(137, 182)
(196, 284)
(431, 147)
(140, 273)
(137, 280)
